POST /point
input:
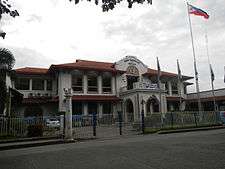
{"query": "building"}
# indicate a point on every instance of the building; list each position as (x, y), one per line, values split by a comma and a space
(99, 87)
(207, 100)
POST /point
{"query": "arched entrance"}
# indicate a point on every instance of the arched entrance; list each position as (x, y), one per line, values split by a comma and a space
(152, 105)
(33, 111)
(129, 111)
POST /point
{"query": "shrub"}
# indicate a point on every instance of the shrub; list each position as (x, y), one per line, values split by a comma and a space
(35, 130)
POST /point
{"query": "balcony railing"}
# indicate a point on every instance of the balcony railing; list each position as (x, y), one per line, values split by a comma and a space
(37, 93)
(144, 86)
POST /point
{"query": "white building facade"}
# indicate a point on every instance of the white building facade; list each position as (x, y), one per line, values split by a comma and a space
(127, 85)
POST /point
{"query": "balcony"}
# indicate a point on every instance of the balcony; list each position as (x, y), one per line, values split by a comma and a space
(37, 93)
(143, 86)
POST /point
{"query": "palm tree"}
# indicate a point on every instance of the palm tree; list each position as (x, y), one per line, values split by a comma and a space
(7, 59)
(7, 62)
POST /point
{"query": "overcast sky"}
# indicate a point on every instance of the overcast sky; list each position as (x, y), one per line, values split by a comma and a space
(57, 31)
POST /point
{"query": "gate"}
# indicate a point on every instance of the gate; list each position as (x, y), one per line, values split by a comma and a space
(104, 126)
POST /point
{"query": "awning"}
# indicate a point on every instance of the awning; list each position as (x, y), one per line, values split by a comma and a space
(174, 98)
(40, 100)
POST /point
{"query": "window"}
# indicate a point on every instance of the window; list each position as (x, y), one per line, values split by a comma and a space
(167, 87)
(106, 84)
(37, 84)
(92, 84)
(77, 83)
(77, 108)
(106, 108)
(22, 84)
(49, 85)
(174, 88)
(92, 108)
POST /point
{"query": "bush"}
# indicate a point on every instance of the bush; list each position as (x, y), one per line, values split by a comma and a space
(35, 130)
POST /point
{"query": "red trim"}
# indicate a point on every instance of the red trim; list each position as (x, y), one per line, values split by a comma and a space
(40, 100)
(217, 98)
(95, 98)
(174, 98)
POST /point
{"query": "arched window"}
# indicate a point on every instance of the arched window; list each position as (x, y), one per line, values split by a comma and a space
(132, 70)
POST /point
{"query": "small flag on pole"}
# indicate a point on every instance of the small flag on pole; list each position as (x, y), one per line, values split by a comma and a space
(159, 72)
(158, 67)
(196, 72)
(197, 11)
(212, 73)
(179, 71)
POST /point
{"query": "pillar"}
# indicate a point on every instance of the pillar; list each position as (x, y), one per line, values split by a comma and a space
(100, 110)
(170, 88)
(45, 85)
(113, 81)
(99, 84)
(85, 83)
(30, 84)
(85, 108)
(68, 115)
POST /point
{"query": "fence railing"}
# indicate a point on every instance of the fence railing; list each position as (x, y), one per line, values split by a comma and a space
(182, 119)
(87, 126)
(29, 127)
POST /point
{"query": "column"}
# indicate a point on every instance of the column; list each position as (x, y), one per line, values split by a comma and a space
(85, 83)
(100, 106)
(170, 88)
(30, 84)
(113, 80)
(85, 108)
(45, 85)
(100, 84)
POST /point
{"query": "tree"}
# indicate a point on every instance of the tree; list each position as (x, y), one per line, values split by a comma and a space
(7, 62)
(5, 8)
(110, 4)
(3, 95)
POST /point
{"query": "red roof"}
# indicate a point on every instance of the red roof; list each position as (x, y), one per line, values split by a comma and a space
(95, 98)
(153, 72)
(87, 65)
(31, 71)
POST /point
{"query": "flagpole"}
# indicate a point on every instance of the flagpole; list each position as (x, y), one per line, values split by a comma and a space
(179, 79)
(210, 69)
(160, 92)
(195, 67)
(214, 99)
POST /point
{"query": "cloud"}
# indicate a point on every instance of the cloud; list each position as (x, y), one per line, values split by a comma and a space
(54, 31)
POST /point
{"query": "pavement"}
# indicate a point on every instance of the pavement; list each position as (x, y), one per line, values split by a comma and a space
(195, 150)
(34, 142)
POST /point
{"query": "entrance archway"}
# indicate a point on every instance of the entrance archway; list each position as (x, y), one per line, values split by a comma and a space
(152, 105)
(129, 110)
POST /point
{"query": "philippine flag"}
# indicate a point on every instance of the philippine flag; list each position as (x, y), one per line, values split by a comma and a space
(197, 11)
